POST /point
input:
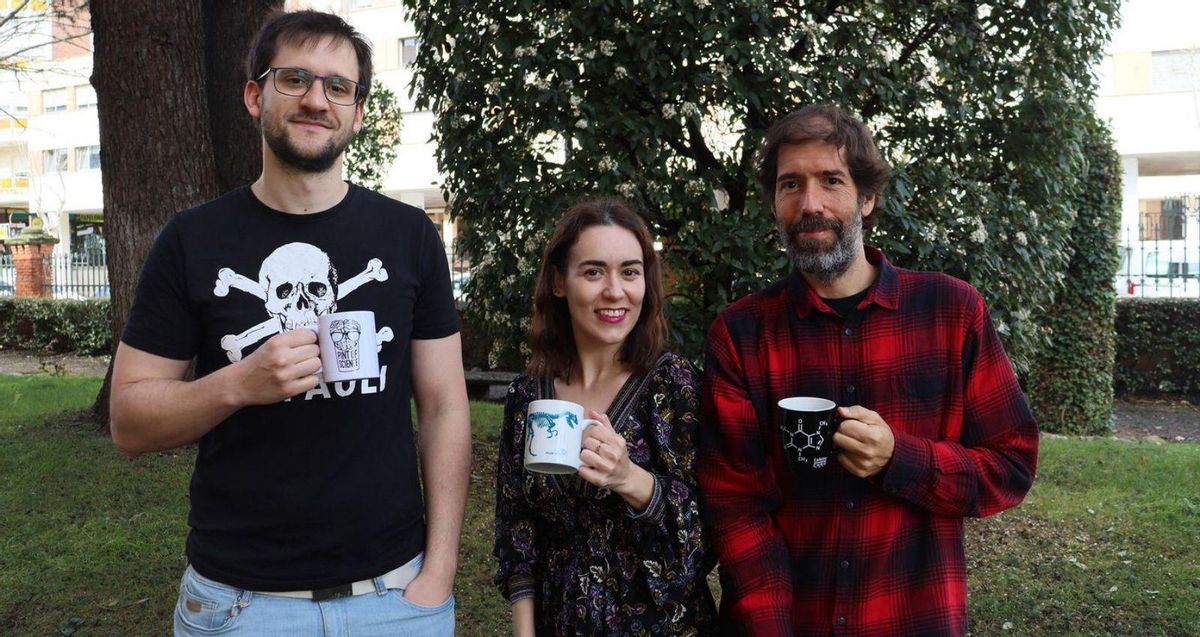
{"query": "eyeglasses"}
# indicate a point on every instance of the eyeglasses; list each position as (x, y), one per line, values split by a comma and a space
(297, 82)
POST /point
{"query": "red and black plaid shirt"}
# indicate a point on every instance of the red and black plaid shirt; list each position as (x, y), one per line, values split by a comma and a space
(826, 553)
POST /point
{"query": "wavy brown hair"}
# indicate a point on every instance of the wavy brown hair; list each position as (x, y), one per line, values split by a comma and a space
(550, 335)
(838, 128)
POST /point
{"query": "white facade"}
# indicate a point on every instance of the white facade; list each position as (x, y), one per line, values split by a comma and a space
(1150, 95)
(49, 132)
(63, 142)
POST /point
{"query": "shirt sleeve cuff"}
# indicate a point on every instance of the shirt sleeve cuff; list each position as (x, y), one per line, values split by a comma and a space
(909, 465)
(520, 587)
(655, 509)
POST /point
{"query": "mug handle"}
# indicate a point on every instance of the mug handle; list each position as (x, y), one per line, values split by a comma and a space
(586, 422)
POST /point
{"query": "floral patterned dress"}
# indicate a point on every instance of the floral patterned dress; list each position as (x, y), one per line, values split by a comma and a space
(592, 564)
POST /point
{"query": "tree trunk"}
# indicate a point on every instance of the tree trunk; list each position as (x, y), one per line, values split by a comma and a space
(229, 26)
(165, 119)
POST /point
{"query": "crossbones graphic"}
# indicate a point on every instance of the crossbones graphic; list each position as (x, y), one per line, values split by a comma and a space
(297, 284)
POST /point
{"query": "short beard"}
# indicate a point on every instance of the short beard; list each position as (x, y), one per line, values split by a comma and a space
(812, 257)
(281, 144)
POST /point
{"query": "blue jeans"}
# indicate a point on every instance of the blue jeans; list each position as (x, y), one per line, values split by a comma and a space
(206, 607)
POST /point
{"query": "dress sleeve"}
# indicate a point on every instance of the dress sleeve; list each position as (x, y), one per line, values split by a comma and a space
(669, 533)
(516, 530)
(992, 467)
(740, 497)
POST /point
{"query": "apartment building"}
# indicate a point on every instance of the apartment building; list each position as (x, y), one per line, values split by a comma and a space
(49, 134)
(1150, 94)
(49, 131)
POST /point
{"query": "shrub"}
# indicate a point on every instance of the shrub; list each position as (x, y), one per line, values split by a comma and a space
(1071, 382)
(84, 327)
(1158, 347)
(983, 111)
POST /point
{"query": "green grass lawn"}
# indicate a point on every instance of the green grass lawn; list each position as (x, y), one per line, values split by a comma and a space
(91, 543)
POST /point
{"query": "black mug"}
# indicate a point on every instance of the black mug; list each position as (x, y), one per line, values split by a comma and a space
(806, 427)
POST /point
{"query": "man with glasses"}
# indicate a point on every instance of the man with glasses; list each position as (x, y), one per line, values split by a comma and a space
(307, 515)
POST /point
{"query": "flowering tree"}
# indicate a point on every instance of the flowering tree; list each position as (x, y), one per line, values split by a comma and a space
(976, 104)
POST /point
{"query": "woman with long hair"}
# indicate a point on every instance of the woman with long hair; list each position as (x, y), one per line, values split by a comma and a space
(618, 548)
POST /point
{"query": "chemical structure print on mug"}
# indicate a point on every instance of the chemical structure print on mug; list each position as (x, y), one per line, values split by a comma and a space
(806, 427)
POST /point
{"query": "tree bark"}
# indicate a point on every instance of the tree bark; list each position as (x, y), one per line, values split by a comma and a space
(229, 26)
(160, 108)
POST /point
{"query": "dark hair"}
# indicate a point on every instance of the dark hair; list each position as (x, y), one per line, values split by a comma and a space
(836, 127)
(550, 335)
(302, 28)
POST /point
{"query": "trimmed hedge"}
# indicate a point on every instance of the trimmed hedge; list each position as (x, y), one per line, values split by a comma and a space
(1071, 380)
(84, 327)
(1158, 347)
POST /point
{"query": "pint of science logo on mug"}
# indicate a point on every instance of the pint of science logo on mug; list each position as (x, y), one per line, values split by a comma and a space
(806, 428)
(554, 436)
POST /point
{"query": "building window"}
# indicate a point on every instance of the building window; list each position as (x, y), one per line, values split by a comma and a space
(1172, 71)
(87, 158)
(408, 51)
(54, 160)
(54, 101)
(85, 96)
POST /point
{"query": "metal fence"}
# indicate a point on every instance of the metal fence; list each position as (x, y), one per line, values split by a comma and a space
(8, 276)
(84, 274)
(76, 275)
(1162, 259)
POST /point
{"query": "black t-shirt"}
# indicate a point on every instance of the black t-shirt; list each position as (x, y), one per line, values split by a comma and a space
(846, 305)
(321, 489)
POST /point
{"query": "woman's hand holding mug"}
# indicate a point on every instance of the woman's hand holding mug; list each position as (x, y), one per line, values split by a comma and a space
(605, 463)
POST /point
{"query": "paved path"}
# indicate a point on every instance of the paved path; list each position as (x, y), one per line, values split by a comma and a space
(26, 363)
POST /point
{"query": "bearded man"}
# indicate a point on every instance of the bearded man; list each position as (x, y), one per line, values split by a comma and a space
(933, 424)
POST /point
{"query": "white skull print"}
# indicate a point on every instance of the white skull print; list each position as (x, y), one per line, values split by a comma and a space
(301, 285)
(297, 284)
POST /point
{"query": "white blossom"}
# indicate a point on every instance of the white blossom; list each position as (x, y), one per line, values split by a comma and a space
(589, 54)
(627, 190)
(668, 110)
(607, 164)
(493, 28)
(493, 87)
(689, 110)
(525, 51)
(581, 124)
(607, 47)
(1022, 239)
(723, 69)
(620, 73)
(979, 235)
(575, 101)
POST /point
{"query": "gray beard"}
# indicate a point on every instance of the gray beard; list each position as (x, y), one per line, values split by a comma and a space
(812, 257)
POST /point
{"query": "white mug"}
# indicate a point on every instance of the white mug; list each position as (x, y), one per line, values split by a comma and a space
(554, 436)
(349, 347)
